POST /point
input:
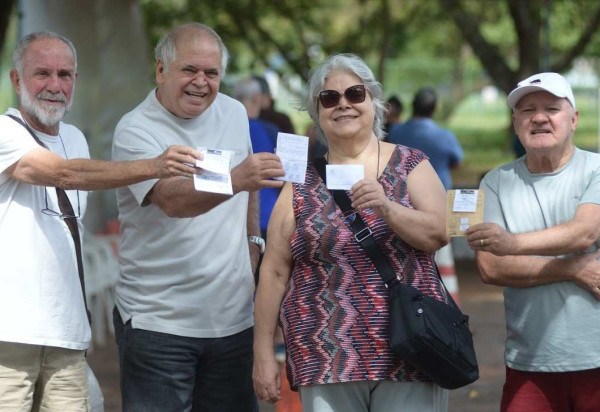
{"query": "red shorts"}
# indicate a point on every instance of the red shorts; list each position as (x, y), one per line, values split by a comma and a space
(577, 391)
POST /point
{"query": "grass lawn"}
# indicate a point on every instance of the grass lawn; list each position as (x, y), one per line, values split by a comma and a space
(483, 131)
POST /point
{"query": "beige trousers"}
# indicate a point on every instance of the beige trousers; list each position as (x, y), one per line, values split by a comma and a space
(42, 378)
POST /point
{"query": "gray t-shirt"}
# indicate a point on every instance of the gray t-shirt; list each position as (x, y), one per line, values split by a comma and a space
(553, 327)
(184, 276)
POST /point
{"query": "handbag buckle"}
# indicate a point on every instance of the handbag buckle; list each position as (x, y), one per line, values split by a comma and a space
(363, 234)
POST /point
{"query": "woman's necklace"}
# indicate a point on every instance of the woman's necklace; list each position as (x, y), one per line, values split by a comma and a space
(378, 157)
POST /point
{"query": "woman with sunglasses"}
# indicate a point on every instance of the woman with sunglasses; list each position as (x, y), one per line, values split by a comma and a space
(333, 302)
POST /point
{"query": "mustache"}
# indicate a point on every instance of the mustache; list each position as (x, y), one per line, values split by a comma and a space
(58, 97)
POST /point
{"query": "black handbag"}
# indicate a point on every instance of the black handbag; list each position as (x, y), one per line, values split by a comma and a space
(431, 335)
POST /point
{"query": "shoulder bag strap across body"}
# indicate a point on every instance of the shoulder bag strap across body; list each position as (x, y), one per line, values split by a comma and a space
(364, 236)
(362, 232)
(67, 210)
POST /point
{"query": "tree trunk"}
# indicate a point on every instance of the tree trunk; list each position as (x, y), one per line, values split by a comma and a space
(5, 15)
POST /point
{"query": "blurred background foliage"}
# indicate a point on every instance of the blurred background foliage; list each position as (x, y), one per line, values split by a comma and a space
(460, 47)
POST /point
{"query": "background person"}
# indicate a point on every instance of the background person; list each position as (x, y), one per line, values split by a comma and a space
(44, 329)
(184, 299)
(540, 241)
(421, 132)
(268, 112)
(316, 147)
(393, 114)
(445, 154)
(333, 303)
(264, 139)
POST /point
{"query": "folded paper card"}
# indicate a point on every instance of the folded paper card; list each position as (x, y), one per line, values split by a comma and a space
(464, 209)
(214, 175)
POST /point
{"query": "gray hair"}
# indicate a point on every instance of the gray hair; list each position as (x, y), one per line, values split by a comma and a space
(26, 41)
(246, 88)
(166, 48)
(352, 64)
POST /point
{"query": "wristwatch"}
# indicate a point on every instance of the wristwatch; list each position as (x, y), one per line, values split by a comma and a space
(258, 241)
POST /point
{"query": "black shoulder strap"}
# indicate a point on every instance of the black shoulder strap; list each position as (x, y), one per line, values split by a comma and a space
(66, 209)
(362, 232)
(364, 236)
(28, 128)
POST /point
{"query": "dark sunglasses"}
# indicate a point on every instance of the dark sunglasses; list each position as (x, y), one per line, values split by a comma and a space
(353, 94)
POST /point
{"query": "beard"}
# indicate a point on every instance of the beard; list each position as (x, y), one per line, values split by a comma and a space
(45, 113)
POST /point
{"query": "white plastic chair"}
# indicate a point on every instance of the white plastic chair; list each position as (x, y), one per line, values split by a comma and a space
(101, 269)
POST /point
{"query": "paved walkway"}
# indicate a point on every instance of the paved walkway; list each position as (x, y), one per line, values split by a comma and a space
(482, 302)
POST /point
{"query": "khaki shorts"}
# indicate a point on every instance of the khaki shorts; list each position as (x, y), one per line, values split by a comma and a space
(42, 378)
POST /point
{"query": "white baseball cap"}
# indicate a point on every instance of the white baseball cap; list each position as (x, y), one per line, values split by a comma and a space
(552, 83)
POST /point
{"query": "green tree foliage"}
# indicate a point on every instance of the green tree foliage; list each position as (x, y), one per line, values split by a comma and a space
(543, 35)
(511, 38)
(289, 36)
(408, 43)
(405, 41)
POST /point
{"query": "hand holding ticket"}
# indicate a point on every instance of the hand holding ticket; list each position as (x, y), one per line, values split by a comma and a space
(214, 176)
(292, 149)
(464, 209)
(343, 177)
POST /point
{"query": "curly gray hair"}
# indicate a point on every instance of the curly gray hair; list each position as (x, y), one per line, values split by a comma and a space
(352, 64)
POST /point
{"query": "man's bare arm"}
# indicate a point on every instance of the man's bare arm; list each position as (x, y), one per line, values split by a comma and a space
(178, 198)
(45, 168)
(528, 271)
(575, 235)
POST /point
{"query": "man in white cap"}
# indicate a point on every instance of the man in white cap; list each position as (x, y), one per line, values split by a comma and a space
(540, 242)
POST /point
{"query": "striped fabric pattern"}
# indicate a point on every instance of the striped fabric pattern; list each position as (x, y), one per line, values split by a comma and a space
(335, 313)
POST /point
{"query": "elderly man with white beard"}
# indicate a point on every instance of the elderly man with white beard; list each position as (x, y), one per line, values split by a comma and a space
(44, 172)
